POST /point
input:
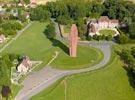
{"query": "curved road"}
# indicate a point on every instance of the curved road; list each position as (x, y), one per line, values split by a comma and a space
(40, 80)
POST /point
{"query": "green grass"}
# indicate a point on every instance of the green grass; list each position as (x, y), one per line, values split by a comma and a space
(57, 87)
(86, 57)
(109, 83)
(15, 89)
(107, 32)
(34, 44)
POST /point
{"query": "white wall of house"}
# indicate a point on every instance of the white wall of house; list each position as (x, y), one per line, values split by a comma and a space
(22, 68)
(103, 24)
(113, 25)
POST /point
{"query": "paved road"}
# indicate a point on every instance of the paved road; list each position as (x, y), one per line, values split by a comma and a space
(42, 79)
(13, 39)
(38, 81)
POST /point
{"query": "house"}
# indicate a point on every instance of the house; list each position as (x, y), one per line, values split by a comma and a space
(24, 65)
(91, 29)
(2, 38)
(105, 22)
(113, 23)
(102, 23)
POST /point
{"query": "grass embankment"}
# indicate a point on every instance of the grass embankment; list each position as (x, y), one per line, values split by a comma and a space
(109, 83)
(86, 57)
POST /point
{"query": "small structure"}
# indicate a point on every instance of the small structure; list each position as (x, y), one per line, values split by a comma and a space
(2, 38)
(27, 15)
(73, 37)
(24, 65)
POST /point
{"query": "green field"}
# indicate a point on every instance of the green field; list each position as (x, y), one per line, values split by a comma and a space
(34, 44)
(109, 83)
(107, 32)
(86, 57)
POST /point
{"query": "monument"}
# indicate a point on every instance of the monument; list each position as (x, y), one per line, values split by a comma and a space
(73, 37)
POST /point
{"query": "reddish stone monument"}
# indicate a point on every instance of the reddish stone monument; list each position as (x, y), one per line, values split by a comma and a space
(73, 37)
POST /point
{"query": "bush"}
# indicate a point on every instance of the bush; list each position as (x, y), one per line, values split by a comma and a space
(10, 32)
(122, 39)
(50, 31)
(64, 20)
(108, 38)
(11, 25)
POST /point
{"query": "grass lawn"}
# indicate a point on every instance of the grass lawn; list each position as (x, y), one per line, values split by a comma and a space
(15, 89)
(86, 57)
(107, 32)
(34, 44)
(109, 83)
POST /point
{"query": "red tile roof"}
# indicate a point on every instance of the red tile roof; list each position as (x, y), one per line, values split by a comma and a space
(114, 21)
(103, 19)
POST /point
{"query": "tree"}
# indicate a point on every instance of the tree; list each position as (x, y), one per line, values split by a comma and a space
(132, 30)
(108, 38)
(50, 31)
(27, 1)
(64, 20)
(128, 59)
(133, 51)
(40, 13)
(122, 39)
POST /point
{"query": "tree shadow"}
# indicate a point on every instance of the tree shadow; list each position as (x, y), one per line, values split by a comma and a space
(131, 77)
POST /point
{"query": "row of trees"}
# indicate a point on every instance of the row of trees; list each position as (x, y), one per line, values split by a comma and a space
(5, 75)
(74, 11)
(50, 31)
(128, 57)
(10, 27)
(6, 62)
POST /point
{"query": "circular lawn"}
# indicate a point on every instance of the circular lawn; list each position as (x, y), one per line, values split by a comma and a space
(86, 57)
(107, 32)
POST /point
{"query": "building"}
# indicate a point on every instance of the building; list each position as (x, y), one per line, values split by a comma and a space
(102, 23)
(2, 38)
(24, 65)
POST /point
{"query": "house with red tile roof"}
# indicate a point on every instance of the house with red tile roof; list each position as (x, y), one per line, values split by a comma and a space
(102, 23)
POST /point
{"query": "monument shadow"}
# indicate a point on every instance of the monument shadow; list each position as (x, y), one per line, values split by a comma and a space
(59, 44)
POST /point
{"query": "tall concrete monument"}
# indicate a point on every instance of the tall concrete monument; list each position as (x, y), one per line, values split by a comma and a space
(73, 37)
